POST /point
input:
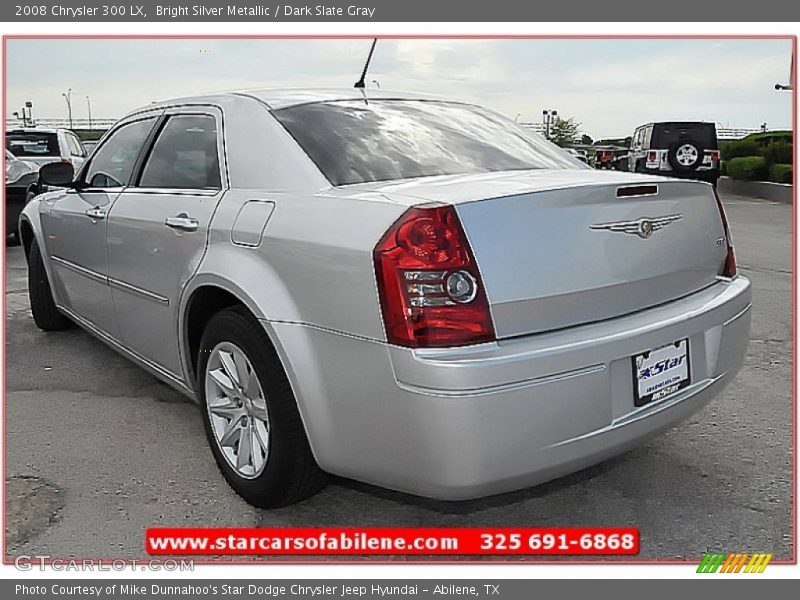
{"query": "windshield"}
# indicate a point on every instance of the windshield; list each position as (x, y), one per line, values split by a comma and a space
(32, 143)
(357, 142)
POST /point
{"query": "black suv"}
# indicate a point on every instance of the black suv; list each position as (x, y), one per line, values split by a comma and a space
(676, 149)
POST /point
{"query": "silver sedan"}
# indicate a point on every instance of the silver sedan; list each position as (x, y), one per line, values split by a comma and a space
(404, 290)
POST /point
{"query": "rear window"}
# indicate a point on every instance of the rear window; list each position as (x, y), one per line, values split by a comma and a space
(666, 134)
(32, 144)
(357, 142)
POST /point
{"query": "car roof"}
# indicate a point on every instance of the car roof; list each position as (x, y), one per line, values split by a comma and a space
(35, 130)
(677, 123)
(283, 98)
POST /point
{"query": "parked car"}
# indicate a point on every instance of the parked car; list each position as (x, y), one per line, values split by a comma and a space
(579, 154)
(42, 146)
(606, 157)
(686, 149)
(403, 290)
(22, 178)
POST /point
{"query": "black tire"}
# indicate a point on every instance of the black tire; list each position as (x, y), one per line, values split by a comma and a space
(13, 238)
(672, 156)
(291, 474)
(45, 313)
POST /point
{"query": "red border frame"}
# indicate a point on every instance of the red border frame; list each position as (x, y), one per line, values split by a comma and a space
(449, 560)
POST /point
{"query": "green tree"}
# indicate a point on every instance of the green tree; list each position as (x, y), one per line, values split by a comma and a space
(564, 132)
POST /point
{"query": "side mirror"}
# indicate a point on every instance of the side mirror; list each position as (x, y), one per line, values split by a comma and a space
(57, 174)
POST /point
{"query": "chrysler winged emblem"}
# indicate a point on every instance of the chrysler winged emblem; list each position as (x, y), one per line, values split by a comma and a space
(643, 227)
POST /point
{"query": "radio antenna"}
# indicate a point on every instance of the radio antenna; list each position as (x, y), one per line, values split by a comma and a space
(360, 83)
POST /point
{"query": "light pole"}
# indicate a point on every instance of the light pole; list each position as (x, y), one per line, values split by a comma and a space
(89, 108)
(548, 118)
(68, 98)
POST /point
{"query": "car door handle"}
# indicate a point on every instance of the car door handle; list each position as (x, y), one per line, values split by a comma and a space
(96, 213)
(182, 221)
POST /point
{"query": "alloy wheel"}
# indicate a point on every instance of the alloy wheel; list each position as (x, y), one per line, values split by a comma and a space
(237, 410)
(687, 155)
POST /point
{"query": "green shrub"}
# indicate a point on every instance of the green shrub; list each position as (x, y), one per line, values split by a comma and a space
(769, 137)
(723, 167)
(740, 148)
(778, 153)
(748, 168)
(780, 173)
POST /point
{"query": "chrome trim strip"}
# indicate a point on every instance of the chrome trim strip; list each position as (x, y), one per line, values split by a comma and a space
(137, 290)
(738, 315)
(156, 369)
(502, 387)
(110, 280)
(79, 269)
(173, 191)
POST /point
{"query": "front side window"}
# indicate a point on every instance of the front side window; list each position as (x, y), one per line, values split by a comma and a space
(355, 142)
(184, 155)
(112, 165)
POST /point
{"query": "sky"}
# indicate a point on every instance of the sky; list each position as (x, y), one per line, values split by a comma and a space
(609, 86)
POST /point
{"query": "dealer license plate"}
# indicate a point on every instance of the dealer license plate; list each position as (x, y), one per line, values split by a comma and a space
(661, 372)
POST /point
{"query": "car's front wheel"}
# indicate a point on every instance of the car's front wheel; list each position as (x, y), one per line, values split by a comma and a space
(250, 414)
(45, 312)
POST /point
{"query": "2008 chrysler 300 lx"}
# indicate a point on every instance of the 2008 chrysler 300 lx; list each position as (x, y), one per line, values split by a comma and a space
(407, 291)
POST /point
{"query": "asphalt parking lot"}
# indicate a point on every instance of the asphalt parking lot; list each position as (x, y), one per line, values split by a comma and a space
(98, 450)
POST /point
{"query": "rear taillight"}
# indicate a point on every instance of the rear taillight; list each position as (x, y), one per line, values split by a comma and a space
(729, 266)
(429, 285)
(715, 155)
(651, 156)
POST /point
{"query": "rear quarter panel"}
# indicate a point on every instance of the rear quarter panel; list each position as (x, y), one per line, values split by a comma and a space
(313, 265)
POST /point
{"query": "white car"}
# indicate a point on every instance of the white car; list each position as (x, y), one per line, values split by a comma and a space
(42, 146)
(579, 154)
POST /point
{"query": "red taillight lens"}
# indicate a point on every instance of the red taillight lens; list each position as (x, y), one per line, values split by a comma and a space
(429, 285)
(651, 156)
(715, 155)
(729, 266)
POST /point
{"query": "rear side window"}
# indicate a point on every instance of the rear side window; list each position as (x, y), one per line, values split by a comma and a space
(112, 165)
(184, 155)
(355, 142)
(666, 134)
(75, 148)
(32, 143)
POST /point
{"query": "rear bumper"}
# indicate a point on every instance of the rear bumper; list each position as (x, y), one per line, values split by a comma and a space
(703, 173)
(468, 422)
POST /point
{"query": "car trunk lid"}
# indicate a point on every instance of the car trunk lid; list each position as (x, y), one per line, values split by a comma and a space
(563, 257)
